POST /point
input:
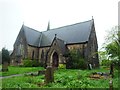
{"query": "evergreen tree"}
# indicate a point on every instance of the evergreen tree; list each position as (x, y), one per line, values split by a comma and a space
(5, 56)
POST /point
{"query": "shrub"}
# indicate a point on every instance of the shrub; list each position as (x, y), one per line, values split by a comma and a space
(105, 62)
(35, 63)
(27, 63)
(79, 76)
(75, 61)
(116, 63)
(42, 64)
(81, 63)
(62, 66)
(30, 63)
(5, 56)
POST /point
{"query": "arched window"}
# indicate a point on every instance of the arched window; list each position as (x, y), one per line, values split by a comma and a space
(33, 55)
(42, 55)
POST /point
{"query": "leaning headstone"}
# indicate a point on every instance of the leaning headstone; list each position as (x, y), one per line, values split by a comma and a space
(49, 74)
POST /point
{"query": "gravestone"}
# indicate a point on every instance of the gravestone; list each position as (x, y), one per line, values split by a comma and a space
(49, 74)
(5, 66)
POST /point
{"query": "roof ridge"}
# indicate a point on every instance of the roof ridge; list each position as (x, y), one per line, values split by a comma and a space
(58, 27)
(60, 39)
(32, 29)
(69, 25)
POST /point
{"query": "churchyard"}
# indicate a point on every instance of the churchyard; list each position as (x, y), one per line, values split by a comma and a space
(62, 78)
(19, 70)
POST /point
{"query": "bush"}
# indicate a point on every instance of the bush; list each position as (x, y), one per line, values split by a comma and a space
(27, 63)
(116, 63)
(108, 62)
(75, 61)
(42, 64)
(35, 63)
(81, 63)
(30, 63)
(62, 66)
(105, 62)
(5, 56)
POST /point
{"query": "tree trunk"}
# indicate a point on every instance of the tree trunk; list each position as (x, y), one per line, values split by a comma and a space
(111, 85)
(111, 70)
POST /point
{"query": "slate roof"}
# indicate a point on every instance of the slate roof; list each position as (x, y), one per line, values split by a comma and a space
(32, 36)
(75, 33)
(61, 44)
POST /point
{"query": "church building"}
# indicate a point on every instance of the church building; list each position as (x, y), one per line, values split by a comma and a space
(50, 46)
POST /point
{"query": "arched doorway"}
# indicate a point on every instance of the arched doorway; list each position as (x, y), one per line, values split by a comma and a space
(55, 59)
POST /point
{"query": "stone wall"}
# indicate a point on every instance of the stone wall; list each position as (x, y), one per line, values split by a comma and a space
(92, 49)
(32, 50)
(43, 50)
(20, 49)
(80, 47)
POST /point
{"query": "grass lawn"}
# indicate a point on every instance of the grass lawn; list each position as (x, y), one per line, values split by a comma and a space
(19, 70)
(63, 78)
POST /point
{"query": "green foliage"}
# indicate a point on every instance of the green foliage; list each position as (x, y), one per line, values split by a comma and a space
(102, 56)
(21, 82)
(64, 78)
(20, 70)
(116, 64)
(112, 45)
(35, 63)
(75, 61)
(62, 66)
(81, 63)
(42, 64)
(5, 55)
(30, 63)
(106, 62)
(113, 49)
(27, 63)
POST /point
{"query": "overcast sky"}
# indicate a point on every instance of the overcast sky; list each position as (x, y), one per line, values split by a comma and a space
(37, 13)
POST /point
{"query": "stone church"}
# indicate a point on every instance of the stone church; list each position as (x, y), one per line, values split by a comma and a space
(49, 47)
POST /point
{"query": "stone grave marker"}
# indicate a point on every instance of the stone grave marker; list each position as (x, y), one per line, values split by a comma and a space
(5, 66)
(49, 74)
